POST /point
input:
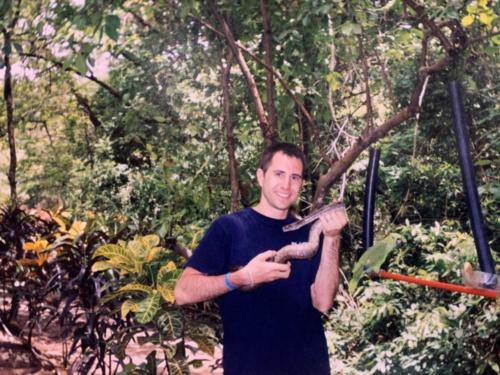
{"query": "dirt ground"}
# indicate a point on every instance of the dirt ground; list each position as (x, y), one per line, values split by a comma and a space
(47, 357)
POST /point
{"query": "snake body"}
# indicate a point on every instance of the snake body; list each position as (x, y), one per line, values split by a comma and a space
(301, 250)
(305, 250)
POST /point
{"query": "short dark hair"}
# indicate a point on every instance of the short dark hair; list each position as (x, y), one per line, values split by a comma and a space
(288, 149)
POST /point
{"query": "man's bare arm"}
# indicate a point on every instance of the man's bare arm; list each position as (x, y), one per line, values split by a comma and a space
(326, 283)
(194, 286)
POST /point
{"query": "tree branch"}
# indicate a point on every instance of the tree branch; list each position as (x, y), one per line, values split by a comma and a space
(84, 104)
(90, 77)
(268, 132)
(228, 126)
(385, 77)
(268, 58)
(366, 79)
(436, 31)
(9, 104)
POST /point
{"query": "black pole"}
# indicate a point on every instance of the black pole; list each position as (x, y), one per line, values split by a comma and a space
(369, 198)
(469, 181)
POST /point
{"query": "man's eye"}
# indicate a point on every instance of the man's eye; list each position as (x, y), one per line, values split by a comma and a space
(297, 178)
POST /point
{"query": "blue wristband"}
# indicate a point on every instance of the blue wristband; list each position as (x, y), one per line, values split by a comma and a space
(228, 282)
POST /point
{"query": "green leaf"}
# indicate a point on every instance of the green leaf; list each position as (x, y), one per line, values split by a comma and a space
(79, 21)
(81, 64)
(111, 26)
(18, 47)
(5, 7)
(7, 49)
(148, 308)
(334, 80)
(171, 324)
(356, 29)
(151, 363)
(136, 287)
(372, 259)
(102, 265)
(122, 344)
(129, 306)
(165, 281)
(204, 335)
(178, 367)
(117, 255)
(347, 28)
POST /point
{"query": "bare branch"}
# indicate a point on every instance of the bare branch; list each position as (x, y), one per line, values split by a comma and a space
(385, 77)
(90, 76)
(84, 104)
(268, 132)
(228, 126)
(268, 58)
(436, 31)
(366, 79)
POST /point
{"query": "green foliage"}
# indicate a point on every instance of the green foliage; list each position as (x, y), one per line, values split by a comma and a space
(53, 279)
(395, 327)
(156, 162)
(145, 288)
(140, 263)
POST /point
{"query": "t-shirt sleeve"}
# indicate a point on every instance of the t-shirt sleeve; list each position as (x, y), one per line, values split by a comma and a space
(210, 255)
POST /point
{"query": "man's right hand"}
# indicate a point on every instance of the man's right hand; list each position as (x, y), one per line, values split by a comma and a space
(261, 269)
(194, 286)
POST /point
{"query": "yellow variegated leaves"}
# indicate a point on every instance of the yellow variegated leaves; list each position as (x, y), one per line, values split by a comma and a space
(77, 229)
(479, 10)
(40, 248)
(118, 257)
(36, 246)
(487, 18)
(165, 281)
(128, 257)
(60, 222)
(138, 261)
(128, 306)
(467, 21)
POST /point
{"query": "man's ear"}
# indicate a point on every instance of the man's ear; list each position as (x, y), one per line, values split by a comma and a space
(260, 176)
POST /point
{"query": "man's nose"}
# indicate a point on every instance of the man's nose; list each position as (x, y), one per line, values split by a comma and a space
(286, 182)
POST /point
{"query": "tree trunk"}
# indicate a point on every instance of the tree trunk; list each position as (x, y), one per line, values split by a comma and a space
(85, 106)
(9, 102)
(268, 132)
(228, 126)
(307, 144)
(268, 58)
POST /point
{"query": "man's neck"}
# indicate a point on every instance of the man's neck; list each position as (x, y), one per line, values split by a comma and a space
(270, 212)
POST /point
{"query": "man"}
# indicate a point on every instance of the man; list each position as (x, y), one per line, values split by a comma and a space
(271, 312)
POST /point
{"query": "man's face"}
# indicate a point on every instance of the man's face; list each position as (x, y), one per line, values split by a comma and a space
(280, 184)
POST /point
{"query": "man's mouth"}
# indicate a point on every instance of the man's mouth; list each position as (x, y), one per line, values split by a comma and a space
(284, 196)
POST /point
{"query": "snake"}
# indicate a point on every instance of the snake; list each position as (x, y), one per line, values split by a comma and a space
(305, 250)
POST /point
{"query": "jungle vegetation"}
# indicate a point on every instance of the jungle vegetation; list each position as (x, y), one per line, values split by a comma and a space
(127, 126)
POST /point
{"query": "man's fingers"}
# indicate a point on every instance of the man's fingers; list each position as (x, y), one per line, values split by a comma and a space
(333, 222)
(266, 255)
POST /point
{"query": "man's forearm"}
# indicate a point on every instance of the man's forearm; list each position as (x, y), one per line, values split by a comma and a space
(194, 286)
(326, 283)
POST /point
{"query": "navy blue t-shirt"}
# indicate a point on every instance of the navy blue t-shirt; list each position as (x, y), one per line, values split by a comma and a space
(273, 329)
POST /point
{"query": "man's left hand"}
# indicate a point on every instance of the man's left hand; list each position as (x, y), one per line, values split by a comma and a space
(332, 222)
